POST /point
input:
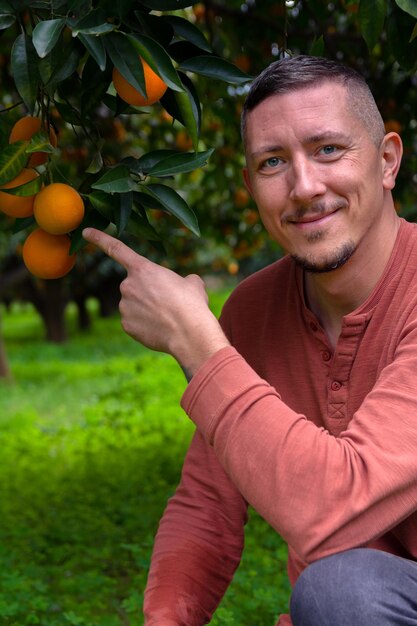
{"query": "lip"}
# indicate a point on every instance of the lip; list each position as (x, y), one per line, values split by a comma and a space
(313, 220)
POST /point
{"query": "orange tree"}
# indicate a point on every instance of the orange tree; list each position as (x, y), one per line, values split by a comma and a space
(70, 61)
(66, 69)
(70, 71)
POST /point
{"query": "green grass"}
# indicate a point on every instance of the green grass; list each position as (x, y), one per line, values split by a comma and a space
(92, 440)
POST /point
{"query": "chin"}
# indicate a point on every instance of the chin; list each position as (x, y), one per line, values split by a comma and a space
(329, 263)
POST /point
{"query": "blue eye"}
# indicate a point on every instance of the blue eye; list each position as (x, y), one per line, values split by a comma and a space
(328, 149)
(272, 162)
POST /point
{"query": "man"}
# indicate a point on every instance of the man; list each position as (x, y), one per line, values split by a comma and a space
(305, 397)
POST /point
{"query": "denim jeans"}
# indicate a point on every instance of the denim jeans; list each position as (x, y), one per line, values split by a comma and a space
(360, 587)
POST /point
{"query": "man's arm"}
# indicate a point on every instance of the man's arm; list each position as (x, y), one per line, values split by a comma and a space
(198, 545)
(322, 494)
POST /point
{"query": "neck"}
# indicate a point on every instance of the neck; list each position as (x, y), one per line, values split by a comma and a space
(332, 295)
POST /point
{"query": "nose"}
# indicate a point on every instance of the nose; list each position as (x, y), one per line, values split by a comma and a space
(305, 180)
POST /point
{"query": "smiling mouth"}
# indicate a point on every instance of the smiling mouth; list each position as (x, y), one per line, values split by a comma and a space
(318, 218)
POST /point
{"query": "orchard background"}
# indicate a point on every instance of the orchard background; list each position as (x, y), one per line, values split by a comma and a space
(79, 503)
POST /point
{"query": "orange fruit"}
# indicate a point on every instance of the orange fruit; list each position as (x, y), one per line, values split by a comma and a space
(199, 11)
(24, 129)
(155, 87)
(18, 206)
(47, 256)
(243, 62)
(241, 197)
(183, 141)
(58, 208)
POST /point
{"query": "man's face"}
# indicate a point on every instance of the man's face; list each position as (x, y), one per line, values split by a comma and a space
(315, 174)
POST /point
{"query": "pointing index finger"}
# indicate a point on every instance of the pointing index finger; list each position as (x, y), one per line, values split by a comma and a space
(111, 246)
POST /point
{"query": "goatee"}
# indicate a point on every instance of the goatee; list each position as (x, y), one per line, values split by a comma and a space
(333, 262)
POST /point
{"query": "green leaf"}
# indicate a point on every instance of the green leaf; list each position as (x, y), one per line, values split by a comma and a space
(21, 223)
(317, 47)
(27, 189)
(7, 16)
(96, 48)
(187, 30)
(104, 203)
(67, 67)
(139, 227)
(123, 214)
(143, 164)
(92, 218)
(116, 180)
(180, 163)
(372, 14)
(40, 143)
(215, 67)
(6, 20)
(13, 159)
(158, 59)
(96, 164)
(25, 70)
(46, 34)
(167, 5)
(174, 204)
(189, 107)
(146, 200)
(94, 23)
(399, 25)
(409, 6)
(414, 33)
(125, 58)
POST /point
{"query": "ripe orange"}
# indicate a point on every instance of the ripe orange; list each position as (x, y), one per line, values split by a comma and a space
(24, 129)
(18, 206)
(183, 141)
(199, 11)
(47, 256)
(155, 87)
(58, 208)
(241, 197)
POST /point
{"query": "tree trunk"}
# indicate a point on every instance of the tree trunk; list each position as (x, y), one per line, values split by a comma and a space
(84, 319)
(5, 371)
(50, 300)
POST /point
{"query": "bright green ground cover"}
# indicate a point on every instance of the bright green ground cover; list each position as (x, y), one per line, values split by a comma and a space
(91, 446)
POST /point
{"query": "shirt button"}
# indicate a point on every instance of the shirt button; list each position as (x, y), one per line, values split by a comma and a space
(336, 385)
(325, 355)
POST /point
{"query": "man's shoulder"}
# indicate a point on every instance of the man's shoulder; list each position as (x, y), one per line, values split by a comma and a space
(276, 276)
(263, 288)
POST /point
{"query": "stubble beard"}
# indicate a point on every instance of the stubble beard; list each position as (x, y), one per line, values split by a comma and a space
(335, 259)
(332, 262)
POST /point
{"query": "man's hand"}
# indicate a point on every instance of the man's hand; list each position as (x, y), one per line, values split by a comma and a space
(162, 310)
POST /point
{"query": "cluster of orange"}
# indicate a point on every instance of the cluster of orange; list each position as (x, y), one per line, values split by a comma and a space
(57, 208)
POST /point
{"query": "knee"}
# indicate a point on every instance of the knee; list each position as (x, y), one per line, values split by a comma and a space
(333, 590)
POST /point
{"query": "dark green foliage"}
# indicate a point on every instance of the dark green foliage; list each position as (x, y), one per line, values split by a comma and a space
(92, 441)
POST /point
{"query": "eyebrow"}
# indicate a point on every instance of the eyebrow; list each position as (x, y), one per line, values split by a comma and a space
(311, 139)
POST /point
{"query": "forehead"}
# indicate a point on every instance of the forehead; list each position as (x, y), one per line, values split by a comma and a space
(307, 111)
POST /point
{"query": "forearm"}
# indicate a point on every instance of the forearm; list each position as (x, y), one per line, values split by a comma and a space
(322, 494)
(198, 544)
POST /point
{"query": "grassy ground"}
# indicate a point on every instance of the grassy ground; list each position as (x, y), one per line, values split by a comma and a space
(80, 430)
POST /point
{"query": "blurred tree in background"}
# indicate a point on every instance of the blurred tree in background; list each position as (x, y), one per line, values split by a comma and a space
(150, 172)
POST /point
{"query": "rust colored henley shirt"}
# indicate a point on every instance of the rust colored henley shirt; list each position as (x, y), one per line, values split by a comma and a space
(322, 443)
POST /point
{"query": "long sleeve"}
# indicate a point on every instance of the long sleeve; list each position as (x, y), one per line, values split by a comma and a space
(322, 493)
(198, 545)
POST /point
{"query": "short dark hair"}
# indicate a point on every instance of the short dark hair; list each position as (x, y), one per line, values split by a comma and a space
(292, 73)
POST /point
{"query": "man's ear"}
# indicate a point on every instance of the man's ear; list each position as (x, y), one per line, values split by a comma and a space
(247, 180)
(392, 151)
